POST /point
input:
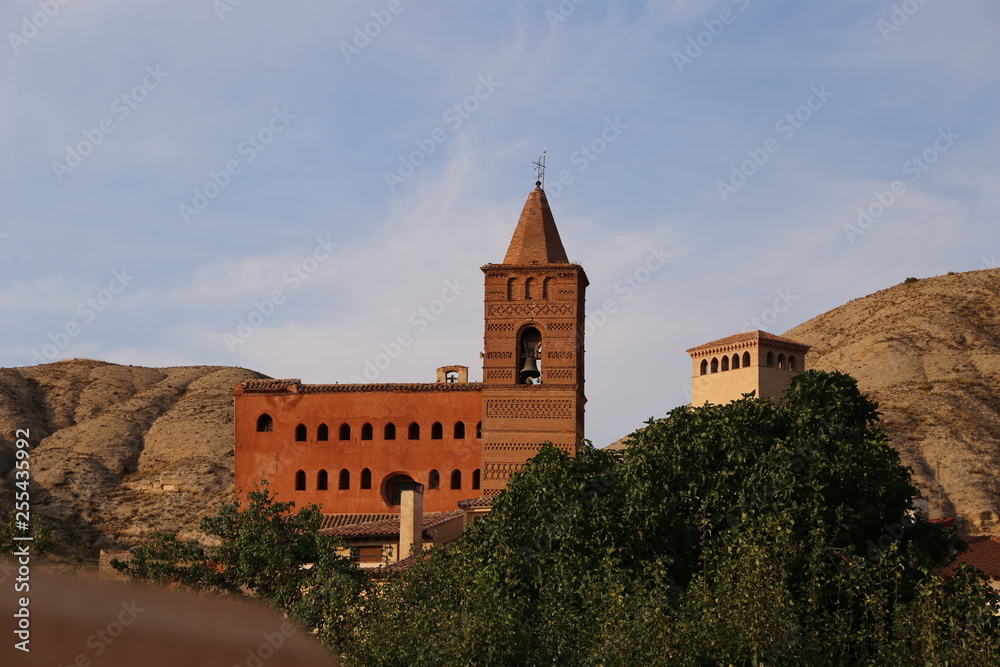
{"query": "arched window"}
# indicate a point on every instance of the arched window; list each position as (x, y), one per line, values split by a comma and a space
(456, 479)
(511, 287)
(475, 479)
(781, 361)
(265, 424)
(547, 288)
(345, 431)
(300, 480)
(394, 488)
(529, 359)
(704, 366)
(389, 433)
(367, 432)
(529, 286)
(366, 479)
(770, 359)
(413, 433)
(437, 431)
(479, 430)
(322, 480)
(736, 361)
(715, 365)
(323, 433)
(300, 433)
(746, 359)
(459, 430)
(725, 363)
(433, 479)
(791, 363)
(345, 479)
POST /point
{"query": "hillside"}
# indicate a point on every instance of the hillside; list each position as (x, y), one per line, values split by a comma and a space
(121, 450)
(929, 352)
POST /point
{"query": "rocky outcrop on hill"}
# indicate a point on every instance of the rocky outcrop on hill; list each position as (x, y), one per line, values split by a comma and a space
(120, 451)
(929, 352)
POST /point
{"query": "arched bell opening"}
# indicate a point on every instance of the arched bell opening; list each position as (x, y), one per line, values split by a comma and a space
(529, 356)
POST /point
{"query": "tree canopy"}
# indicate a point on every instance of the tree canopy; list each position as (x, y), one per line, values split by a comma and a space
(749, 533)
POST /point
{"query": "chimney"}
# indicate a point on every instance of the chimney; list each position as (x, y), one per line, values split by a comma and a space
(411, 519)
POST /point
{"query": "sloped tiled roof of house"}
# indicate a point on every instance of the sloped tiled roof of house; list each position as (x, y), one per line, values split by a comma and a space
(983, 553)
(339, 520)
(374, 525)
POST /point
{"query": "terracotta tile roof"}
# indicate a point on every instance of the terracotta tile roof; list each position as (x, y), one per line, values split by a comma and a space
(536, 239)
(472, 503)
(748, 337)
(386, 527)
(983, 553)
(338, 520)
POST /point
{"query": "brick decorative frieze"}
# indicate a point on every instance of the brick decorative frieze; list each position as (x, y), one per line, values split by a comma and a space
(500, 374)
(531, 310)
(499, 355)
(501, 408)
(561, 326)
(500, 326)
(501, 470)
(560, 374)
(559, 354)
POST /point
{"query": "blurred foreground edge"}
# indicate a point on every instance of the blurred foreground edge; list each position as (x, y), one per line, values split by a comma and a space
(83, 622)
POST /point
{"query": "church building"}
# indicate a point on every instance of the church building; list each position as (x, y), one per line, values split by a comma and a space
(396, 466)
(357, 449)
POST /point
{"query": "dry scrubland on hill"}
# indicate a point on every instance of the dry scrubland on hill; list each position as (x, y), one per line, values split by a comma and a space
(929, 352)
(121, 450)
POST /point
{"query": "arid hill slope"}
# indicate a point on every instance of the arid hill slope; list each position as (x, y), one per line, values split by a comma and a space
(121, 450)
(929, 352)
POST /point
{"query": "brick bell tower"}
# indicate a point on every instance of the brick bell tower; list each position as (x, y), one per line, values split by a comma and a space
(533, 359)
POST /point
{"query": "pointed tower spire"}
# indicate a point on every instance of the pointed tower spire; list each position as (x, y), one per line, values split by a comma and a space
(536, 239)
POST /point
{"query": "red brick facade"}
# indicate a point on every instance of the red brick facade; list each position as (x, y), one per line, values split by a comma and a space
(345, 447)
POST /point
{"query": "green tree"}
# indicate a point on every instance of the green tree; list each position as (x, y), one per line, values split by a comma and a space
(749, 533)
(42, 534)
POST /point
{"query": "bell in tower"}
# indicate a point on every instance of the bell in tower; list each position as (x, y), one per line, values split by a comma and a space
(531, 352)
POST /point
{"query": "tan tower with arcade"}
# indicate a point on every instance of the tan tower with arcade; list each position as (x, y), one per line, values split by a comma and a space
(756, 361)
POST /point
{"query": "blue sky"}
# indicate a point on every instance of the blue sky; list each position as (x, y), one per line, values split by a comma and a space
(290, 187)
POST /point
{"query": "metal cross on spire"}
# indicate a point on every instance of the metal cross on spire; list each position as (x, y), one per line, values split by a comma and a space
(540, 170)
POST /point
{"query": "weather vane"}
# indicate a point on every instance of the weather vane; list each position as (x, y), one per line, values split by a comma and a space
(540, 170)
